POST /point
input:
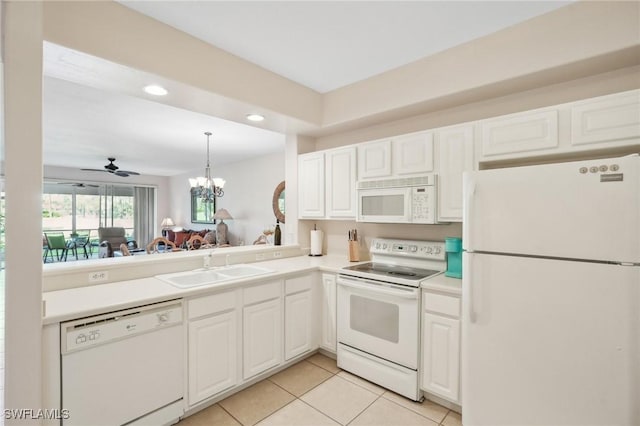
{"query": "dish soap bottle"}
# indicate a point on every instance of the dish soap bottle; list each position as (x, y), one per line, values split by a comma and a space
(277, 235)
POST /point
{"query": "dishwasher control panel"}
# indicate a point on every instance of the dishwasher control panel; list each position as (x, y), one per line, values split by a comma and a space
(101, 329)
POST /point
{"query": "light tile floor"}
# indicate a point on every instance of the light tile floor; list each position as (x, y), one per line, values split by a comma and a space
(315, 392)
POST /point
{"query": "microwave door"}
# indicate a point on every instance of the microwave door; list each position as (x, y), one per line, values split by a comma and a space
(391, 205)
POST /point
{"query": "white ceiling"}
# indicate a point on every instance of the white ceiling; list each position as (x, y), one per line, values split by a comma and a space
(94, 109)
(325, 45)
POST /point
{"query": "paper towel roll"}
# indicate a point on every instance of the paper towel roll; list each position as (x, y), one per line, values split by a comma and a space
(316, 243)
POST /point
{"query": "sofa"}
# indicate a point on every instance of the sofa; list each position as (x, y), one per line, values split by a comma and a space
(180, 238)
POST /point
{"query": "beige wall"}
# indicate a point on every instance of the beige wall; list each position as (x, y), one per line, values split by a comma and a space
(22, 43)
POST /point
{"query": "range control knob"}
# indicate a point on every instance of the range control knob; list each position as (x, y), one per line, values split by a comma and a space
(429, 249)
(384, 246)
(414, 249)
(438, 250)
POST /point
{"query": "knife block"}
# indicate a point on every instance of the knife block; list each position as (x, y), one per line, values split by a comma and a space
(354, 251)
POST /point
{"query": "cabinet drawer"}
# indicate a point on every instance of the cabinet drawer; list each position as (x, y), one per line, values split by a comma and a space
(441, 304)
(297, 284)
(268, 291)
(211, 304)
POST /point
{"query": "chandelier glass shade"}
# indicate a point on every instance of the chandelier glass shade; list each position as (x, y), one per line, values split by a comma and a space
(205, 187)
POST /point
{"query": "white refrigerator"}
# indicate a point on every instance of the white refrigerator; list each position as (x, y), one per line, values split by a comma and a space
(551, 294)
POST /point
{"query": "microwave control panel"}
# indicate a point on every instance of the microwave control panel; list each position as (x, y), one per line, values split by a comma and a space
(423, 204)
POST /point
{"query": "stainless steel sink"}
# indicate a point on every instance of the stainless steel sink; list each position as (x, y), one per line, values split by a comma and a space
(201, 277)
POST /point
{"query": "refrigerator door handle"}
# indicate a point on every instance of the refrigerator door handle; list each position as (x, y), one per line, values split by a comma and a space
(471, 290)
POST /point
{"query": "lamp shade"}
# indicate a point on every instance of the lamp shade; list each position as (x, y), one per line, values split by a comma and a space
(222, 214)
(167, 222)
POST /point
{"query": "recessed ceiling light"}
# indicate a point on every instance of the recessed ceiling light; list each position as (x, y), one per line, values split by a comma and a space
(255, 117)
(154, 89)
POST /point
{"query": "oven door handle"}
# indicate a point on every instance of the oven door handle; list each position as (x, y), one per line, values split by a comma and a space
(374, 287)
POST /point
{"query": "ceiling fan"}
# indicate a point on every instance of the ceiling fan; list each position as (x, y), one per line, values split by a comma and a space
(113, 169)
(79, 184)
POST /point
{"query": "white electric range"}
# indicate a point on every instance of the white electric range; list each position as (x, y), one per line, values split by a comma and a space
(379, 312)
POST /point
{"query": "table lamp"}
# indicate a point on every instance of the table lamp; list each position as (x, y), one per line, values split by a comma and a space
(167, 223)
(221, 228)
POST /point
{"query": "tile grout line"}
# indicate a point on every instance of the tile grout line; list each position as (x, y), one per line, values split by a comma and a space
(365, 408)
(226, 411)
(420, 414)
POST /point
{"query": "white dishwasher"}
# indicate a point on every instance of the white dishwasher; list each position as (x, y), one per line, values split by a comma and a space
(124, 367)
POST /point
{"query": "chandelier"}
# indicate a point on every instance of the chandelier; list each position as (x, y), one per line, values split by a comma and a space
(205, 187)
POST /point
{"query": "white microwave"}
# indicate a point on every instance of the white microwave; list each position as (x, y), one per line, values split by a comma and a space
(398, 200)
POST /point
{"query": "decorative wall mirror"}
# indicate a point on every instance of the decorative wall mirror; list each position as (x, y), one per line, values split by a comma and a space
(201, 212)
(278, 202)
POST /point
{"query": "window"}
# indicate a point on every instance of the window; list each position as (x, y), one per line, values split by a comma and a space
(70, 207)
(201, 212)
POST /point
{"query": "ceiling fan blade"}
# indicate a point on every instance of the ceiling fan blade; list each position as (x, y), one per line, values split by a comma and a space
(121, 173)
(129, 172)
(95, 170)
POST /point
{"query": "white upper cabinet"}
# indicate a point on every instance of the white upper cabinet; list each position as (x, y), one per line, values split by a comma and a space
(606, 119)
(311, 180)
(412, 154)
(455, 156)
(519, 133)
(341, 183)
(374, 159)
(327, 184)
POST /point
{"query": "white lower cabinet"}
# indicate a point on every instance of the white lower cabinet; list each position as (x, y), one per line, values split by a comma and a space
(328, 312)
(262, 328)
(212, 345)
(441, 346)
(299, 313)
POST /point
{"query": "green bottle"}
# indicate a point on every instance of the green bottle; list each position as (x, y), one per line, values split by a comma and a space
(277, 234)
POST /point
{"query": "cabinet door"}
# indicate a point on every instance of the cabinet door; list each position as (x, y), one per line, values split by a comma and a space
(520, 133)
(212, 356)
(297, 324)
(341, 183)
(606, 119)
(441, 356)
(455, 157)
(262, 337)
(412, 153)
(374, 159)
(328, 337)
(311, 185)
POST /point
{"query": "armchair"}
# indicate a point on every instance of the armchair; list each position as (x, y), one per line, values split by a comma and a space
(111, 238)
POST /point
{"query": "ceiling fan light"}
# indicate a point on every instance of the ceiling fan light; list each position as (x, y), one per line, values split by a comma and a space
(154, 89)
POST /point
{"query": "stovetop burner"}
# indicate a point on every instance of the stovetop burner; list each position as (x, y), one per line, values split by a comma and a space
(389, 270)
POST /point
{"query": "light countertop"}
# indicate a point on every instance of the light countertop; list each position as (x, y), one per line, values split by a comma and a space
(63, 305)
(444, 284)
(67, 304)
